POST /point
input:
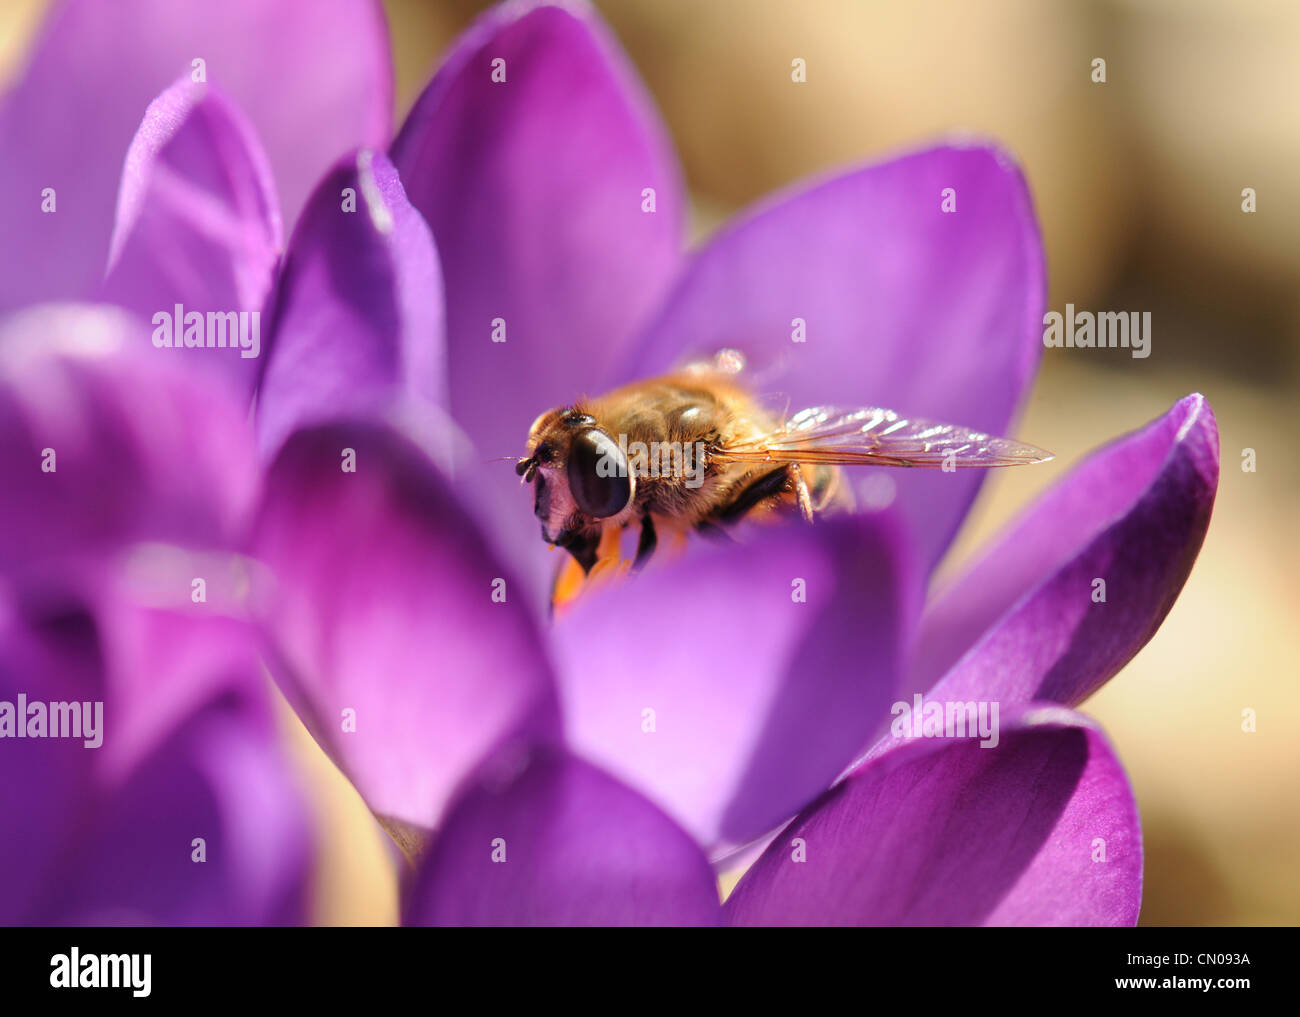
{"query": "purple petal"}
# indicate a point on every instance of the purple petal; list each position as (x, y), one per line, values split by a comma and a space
(393, 649)
(99, 447)
(359, 323)
(215, 780)
(934, 314)
(198, 230)
(55, 658)
(1024, 623)
(1041, 829)
(314, 78)
(546, 839)
(756, 699)
(533, 187)
(188, 750)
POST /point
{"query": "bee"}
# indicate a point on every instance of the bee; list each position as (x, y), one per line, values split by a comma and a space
(696, 451)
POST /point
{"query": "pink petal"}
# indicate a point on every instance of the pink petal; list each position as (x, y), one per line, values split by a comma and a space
(542, 838)
(359, 323)
(198, 231)
(534, 190)
(1040, 829)
(391, 639)
(708, 684)
(1025, 621)
(314, 77)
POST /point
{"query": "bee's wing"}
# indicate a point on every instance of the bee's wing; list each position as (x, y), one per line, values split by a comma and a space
(878, 437)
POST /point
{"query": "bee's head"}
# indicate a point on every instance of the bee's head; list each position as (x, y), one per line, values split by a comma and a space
(580, 476)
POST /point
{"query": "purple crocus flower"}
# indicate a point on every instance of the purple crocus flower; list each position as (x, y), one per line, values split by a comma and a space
(585, 771)
(140, 774)
(127, 479)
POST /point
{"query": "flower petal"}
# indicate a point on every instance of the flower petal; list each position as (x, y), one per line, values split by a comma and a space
(403, 643)
(1024, 623)
(534, 189)
(51, 658)
(314, 78)
(543, 838)
(1041, 829)
(100, 447)
(198, 231)
(187, 761)
(731, 686)
(934, 314)
(359, 319)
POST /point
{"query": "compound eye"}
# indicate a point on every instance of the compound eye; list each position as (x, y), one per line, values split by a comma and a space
(598, 475)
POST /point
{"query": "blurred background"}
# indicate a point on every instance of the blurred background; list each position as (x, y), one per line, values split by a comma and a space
(1138, 183)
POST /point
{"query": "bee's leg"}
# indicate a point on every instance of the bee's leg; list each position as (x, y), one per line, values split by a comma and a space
(589, 557)
(831, 493)
(582, 546)
(646, 543)
(568, 583)
(770, 485)
(801, 492)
